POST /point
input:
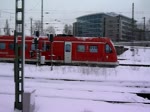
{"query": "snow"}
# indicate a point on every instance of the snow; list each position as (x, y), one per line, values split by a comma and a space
(136, 55)
(89, 89)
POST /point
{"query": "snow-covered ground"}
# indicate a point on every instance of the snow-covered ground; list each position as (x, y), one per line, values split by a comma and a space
(100, 87)
(136, 55)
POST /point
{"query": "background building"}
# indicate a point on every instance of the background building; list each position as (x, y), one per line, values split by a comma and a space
(90, 25)
(115, 26)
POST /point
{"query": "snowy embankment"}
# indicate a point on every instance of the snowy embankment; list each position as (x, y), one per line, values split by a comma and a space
(120, 73)
(135, 55)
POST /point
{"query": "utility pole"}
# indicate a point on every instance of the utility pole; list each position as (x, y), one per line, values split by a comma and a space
(31, 26)
(41, 17)
(0, 21)
(19, 55)
(104, 33)
(6, 28)
(133, 34)
(144, 29)
(133, 21)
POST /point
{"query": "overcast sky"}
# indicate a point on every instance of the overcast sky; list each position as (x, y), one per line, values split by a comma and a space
(67, 10)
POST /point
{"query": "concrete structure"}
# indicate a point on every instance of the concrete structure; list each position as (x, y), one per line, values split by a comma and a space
(29, 101)
(115, 26)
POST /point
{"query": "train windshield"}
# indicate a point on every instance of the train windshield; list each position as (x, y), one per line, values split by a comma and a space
(108, 49)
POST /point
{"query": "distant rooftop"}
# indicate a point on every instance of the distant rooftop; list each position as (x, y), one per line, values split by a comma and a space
(91, 15)
(112, 14)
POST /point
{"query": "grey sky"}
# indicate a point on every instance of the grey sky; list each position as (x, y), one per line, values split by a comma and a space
(67, 10)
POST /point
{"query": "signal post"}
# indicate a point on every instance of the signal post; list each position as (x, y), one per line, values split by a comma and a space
(19, 55)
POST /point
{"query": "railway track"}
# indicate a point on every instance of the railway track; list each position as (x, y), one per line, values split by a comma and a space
(79, 98)
(135, 65)
(75, 87)
(94, 65)
(137, 84)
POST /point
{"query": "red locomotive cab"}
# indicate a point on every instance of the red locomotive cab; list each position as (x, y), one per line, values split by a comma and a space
(110, 55)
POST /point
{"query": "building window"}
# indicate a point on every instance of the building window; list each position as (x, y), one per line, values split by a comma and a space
(108, 49)
(93, 49)
(81, 48)
(2, 45)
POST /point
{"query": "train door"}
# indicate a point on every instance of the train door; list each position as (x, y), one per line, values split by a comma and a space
(68, 52)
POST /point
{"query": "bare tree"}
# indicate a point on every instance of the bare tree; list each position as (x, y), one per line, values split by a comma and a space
(6, 28)
(141, 25)
(37, 26)
(50, 30)
(68, 29)
(148, 25)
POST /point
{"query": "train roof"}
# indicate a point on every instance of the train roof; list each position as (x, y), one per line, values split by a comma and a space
(72, 38)
(12, 37)
(62, 38)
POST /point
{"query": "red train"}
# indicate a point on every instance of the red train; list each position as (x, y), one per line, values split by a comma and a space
(65, 50)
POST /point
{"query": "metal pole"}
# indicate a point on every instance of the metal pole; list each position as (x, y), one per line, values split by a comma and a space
(37, 57)
(31, 27)
(19, 55)
(41, 17)
(51, 56)
(133, 21)
(144, 28)
(104, 32)
(133, 37)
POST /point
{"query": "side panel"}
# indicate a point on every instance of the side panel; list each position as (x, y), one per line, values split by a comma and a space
(58, 51)
(79, 52)
(68, 52)
(45, 47)
(84, 52)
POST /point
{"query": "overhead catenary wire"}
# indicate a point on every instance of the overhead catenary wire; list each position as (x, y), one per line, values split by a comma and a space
(32, 10)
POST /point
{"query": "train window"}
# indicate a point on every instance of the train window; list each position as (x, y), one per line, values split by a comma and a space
(81, 48)
(26, 46)
(67, 47)
(2, 45)
(108, 49)
(45, 47)
(93, 49)
(11, 46)
(33, 47)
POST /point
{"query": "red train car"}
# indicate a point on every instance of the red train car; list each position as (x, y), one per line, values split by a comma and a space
(66, 50)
